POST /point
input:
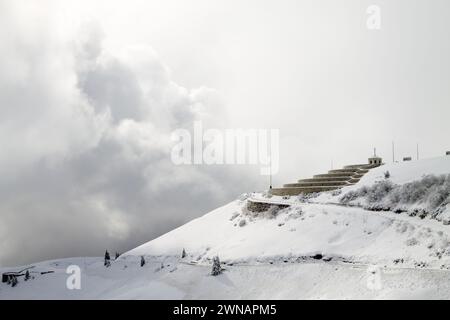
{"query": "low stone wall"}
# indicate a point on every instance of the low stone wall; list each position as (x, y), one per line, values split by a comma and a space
(254, 206)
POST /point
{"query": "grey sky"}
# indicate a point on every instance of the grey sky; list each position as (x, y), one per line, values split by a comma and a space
(90, 91)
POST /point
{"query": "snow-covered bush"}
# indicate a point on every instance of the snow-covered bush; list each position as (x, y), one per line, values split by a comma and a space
(379, 191)
(353, 195)
(244, 196)
(335, 193)
(216, 268)
(412, 242)
(429, 196)
(294, 213)
(305, 197)
(262, 210)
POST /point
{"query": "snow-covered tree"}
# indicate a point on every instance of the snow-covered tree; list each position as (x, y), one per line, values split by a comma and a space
(117, 256)
(27, 276)
(107, 259)
(216, 268)
(142, 261)
(183, 254)
(14, 281)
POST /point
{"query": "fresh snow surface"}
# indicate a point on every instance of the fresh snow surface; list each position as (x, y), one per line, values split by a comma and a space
(125, 279)
(315, 249)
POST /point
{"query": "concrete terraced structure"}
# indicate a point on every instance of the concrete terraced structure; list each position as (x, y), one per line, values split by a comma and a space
(333, 180)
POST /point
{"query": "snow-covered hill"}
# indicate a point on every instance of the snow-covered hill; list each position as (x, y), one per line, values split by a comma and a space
(318, 247)
(320, 226)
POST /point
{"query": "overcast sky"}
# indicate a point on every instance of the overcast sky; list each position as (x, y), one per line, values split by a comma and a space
(91, 90)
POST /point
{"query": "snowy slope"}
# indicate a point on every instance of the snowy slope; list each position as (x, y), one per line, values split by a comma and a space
(350, 234)
(125, 279)
(315, 249)
(306, 229)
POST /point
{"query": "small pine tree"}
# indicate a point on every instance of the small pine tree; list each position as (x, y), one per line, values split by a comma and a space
(183, 254)
(27, 276)
(216, 268)
(142, 261)
(387, 175)
(107, 259)
(14, 281)
(117, 256)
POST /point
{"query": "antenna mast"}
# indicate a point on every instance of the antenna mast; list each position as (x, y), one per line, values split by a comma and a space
(393, 152)
(417, 151)
(270, 173)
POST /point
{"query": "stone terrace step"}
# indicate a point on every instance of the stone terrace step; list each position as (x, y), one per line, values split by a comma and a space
(343, 171)
(316, 184)
(331, 175)
(334, 178)
(357, 166)
(298, 190)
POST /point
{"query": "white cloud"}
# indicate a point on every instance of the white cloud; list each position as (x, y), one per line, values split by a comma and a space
(85, 136)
